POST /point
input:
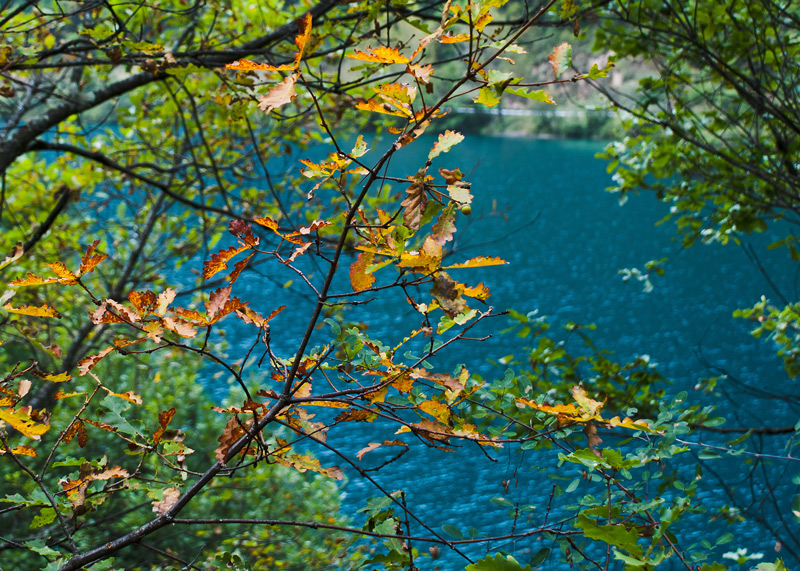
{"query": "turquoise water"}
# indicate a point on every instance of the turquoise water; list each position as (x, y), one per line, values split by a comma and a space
(541, 205)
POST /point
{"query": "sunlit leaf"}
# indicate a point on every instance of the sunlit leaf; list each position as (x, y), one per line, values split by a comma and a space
(34, 311)
(21, 421)
(90, 260)
(381, 54)
(479, 262)
(537, 95)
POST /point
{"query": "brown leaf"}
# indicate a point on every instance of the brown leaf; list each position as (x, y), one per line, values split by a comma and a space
(590, 430)
(445, 227)
(169, 497)
(416, 201)
(90, 260)
(85, 365)
(446, 293)
(219, 261)
(279, 95)
(217, 300)
(179, 326)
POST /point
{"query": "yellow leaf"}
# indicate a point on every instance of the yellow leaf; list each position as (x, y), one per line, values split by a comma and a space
(480, 261)
(20, 420)
(34, 311)
(381, 54)
(359, 278)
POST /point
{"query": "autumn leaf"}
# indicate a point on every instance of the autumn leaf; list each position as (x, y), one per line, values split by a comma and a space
(249, 316)
(306, 463)
(144, 302)
(85, 365)
(449, 38)
(444, 290)
(34, 311)
(359, 278)
(561, 58)
(164, 418)
(437, 410)
(21, 421)
(16, 253)
(169, 497)
(381, 54)
(90, 260)
(479, 262)
(430, 429)
(416, 201)
(487, 96)
(179, 326)
(420, 72)
(21, 451)
(280, 94)
(388, 108)
(217, 300)
(446, 141)
(443, 230)
(248, 65)
(375, 445)
(219, 261)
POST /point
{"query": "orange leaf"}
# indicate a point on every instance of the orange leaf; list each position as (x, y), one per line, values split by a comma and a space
(249, 316)
(416, 201)
(436, 409)
(164, 418)
(144, 301)
(378, 107)
(219, 261)
(34, 311)
(359, 278)
(90, 260)
(304, 25)
(238, 268)
(305, 463)
(279, 95)
(449, 38)
(21, 451)
(421, 72)
(373, 445)
(381, 54)
(65, 275)
(247, 65)
(129, 396)
(86, 365)
(33, 280)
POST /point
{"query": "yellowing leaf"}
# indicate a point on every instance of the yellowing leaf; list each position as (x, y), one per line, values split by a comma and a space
(561, 58)
(386, 108)
(164, 418)
(169, 498)
(34, 311)
(301, 40)
(381, 54)
(247, 65)
(479, 262)
(279, 95)
(401, 92)
(590, 406)
(487, 96)
(421, 72)
(21, 421)
(179, 326)
(447, 141)
(21, 451)
(374, 445)
(437, 410)
(359, 278)
(305, 463)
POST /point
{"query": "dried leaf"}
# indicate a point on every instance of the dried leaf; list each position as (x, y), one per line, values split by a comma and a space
(179, 326)
(444, 290)
(85, 365)
(280, 94)
(217, 300)
(65, 276)
(219, 261)
(416, 201)
(169, 497)
(374, 445)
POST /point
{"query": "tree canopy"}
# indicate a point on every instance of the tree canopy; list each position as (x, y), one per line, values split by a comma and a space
(156, 157)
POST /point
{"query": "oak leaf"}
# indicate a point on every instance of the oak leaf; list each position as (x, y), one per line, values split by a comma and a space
(279, 95)
(32, 310)
(446, 141)
(381, 54)
(359, 278)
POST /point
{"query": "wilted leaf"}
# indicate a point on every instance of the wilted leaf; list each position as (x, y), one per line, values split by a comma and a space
(561, 58)
(444, 290)
(445, 227)
(305, 463)
(217, 300)
(219, 261)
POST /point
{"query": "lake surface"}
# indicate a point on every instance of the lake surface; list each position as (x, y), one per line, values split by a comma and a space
(565, 239)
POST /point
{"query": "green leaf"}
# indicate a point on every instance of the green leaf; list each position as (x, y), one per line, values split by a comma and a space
(487, 96)
(498, 562)
(616, 535)
(47, 515)
(446, 141)
(452, 531)
(540, 556)
(538, 95)
(503, 502)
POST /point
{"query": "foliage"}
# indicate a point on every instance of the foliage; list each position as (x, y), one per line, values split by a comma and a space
(172, 135)
(712, 131)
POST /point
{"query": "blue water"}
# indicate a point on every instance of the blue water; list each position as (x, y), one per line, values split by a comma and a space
(541, 205)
